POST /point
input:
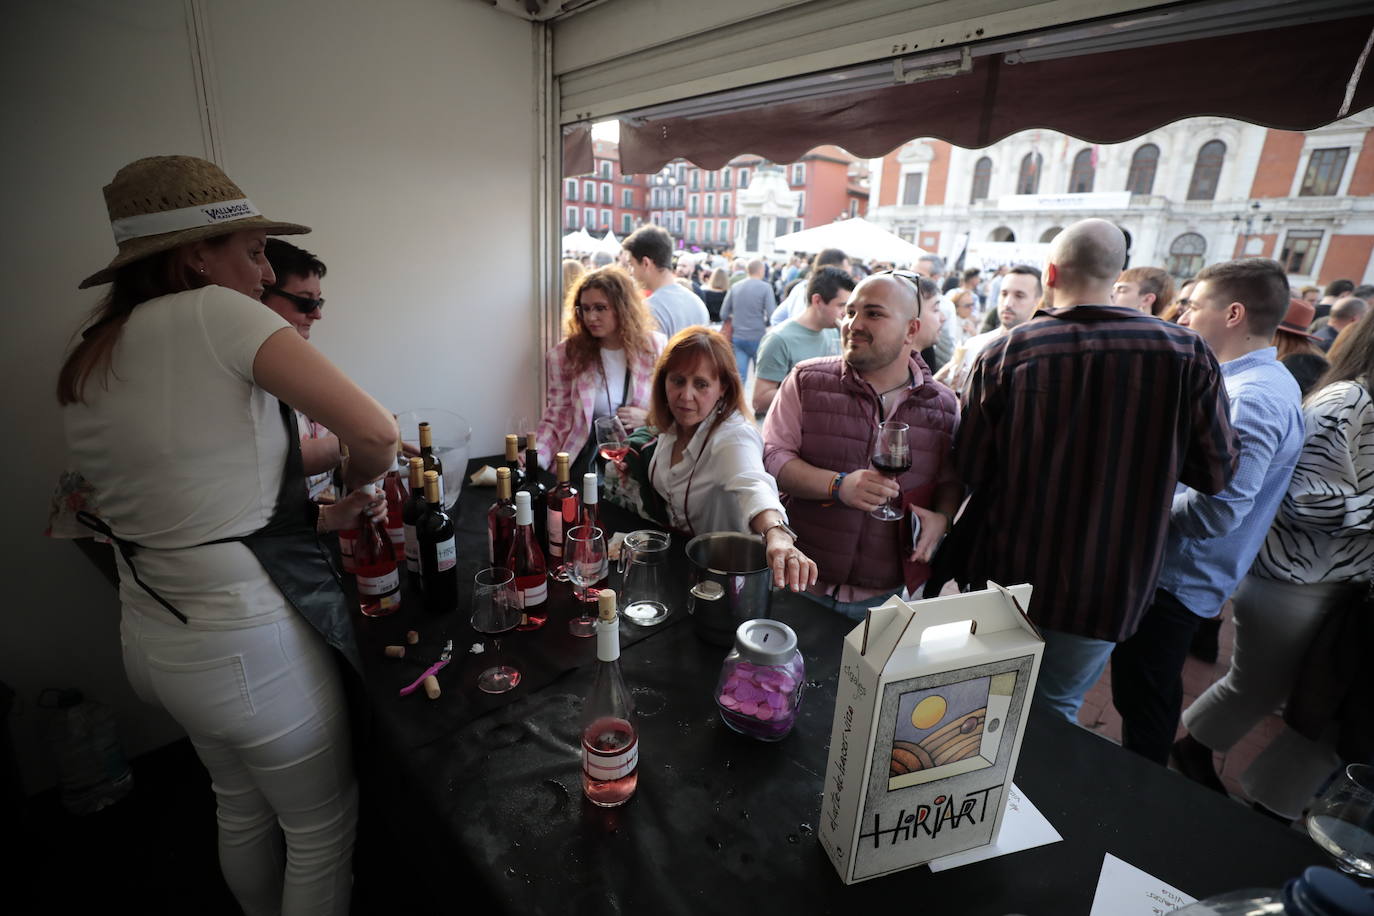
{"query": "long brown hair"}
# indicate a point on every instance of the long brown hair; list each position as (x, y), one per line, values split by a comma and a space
(1288, 344)
(148, 278)
(633, 321)
(681, 354)
(1351, 356)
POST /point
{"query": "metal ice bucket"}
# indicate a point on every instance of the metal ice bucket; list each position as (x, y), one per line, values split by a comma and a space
(730, 583)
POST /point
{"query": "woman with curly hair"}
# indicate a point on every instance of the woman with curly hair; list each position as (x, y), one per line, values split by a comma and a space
(603, 367)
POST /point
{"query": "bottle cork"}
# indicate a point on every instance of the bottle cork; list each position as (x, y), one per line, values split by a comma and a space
(432, 687)
(605, 604)
(395, 651)
(412, 637)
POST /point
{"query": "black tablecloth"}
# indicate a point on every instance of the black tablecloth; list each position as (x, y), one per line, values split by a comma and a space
(487, 791)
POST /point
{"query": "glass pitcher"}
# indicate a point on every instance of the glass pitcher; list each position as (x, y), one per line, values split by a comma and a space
(644, 589)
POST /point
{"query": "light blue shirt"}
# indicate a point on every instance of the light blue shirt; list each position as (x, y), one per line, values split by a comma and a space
(1213, 539)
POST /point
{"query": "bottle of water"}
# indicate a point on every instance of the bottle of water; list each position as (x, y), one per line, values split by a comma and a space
(91, 768)
(1317, 892)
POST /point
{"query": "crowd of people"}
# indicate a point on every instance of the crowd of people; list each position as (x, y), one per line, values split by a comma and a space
(1142, 454)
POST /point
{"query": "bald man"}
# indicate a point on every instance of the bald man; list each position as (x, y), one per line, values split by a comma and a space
(819, 439)
(1077, 426)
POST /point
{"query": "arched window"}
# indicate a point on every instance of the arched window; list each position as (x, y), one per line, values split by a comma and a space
(1081, 176)
(1185, 254)
(1028, 182)
(1001, 234)
(982, 179)
(1207, 171)
(1141, 178)
(1049, 234)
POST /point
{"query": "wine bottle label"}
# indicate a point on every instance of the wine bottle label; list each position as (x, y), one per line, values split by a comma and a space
(384, 584)
(446, 554)
(346, 541)
(555, 529)
(613, 767)
(412, 549)
(530, 591)
(397, 533)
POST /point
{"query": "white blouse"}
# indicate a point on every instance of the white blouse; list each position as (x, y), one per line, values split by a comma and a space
(719, 484)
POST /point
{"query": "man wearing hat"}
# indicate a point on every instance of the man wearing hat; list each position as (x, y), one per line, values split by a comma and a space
(1212, 539)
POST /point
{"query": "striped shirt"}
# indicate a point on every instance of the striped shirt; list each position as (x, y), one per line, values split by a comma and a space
(1079, 424)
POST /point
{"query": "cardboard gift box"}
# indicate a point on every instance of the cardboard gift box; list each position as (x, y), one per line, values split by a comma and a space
(929, 716)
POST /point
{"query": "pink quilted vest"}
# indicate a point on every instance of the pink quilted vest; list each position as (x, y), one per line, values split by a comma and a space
(839, 425)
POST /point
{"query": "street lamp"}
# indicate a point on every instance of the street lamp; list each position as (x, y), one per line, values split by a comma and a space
(1248, 221)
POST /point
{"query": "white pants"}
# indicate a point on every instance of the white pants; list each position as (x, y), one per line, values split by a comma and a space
(265, 710)
(1275, 624)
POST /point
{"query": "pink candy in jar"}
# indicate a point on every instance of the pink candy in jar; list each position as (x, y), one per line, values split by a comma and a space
(761, 682)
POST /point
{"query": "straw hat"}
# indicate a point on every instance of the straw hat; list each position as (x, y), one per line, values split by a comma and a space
(1299, 318)
(161, 202)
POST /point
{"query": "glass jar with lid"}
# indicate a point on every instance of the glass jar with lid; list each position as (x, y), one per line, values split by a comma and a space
(760, 685)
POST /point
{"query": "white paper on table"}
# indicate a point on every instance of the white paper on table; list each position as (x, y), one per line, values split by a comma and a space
(1124, 890)
(1023, 826)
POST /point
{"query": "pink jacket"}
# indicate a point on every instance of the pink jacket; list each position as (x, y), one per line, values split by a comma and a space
(567, 420)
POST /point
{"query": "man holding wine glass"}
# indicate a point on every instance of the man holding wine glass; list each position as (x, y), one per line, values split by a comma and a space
(836, 419)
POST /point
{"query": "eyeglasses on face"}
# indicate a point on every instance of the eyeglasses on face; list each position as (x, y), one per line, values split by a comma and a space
(592, 310)
(304, 304)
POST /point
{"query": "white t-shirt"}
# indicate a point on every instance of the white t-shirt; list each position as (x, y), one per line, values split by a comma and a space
(614, 367)
(182, 447)
(675, 308)
(728, 485)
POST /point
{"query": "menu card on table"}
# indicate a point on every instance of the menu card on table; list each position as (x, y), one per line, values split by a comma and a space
(1124, 890)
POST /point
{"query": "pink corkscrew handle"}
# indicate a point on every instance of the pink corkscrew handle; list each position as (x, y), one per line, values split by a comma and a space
(432, 669)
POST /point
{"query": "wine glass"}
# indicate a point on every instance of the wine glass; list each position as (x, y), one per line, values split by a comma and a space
(892, 457)
(611, 438)
(492, 613)
(585, 548)
(1341, 820)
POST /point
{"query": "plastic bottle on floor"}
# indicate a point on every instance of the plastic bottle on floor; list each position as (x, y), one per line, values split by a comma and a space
(92, 770)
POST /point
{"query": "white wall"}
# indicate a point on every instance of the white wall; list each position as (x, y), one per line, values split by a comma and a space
(403, 132)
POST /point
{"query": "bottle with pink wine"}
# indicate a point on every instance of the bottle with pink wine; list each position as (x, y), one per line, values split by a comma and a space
(610, 740)
(526, 562)
(374, 566)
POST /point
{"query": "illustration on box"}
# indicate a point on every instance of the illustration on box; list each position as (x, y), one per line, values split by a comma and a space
(945, 731)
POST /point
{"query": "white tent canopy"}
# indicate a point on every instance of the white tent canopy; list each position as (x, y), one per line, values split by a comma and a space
(579, 241)
(857, 238)
(610, 244)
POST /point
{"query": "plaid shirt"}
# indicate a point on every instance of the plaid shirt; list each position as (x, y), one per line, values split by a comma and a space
(1079, 423)
(567, 421)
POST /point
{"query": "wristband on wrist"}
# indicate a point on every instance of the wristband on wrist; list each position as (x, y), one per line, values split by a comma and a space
(835, 484)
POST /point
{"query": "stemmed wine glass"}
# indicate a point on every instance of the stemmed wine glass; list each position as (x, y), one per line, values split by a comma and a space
(588, 564)
(892, 457)
(492, 613)
(1341, 820)
(612, 441)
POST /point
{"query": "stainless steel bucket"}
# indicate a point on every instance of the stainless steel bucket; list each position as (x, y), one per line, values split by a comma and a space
(730, 583)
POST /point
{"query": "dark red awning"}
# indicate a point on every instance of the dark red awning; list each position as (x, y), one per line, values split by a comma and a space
(1293, 78)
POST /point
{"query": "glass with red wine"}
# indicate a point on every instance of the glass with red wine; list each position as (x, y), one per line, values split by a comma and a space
(892, 458)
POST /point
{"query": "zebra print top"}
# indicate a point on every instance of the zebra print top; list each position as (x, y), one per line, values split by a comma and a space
(1324, 530)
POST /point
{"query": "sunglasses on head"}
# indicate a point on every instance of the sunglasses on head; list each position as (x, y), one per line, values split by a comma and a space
(304, 304)
(909, 276)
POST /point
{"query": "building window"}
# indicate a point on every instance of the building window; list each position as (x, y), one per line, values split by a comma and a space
(911, 188)
(725, 203)
(589, 190)
(982, 179)
(627, 224)
(696, 179)
(570, 217)
(707, 227)
(1081, 175)
(656, 218)
(692, 204)
(677, 222)
(1002, 234)
(725, 177)
(691, 230)
(1207, 171)
(606, 219)
(743, 177)
(606, 169)
(710, 204)
(725, 230)
(1323, 176)
(681, 195)
(606, 194)
(1049, 234)
(1299, 252)
(710, 181)
(1141, 178)
(853, 208)
(801, 203)
(1185, 254)
(570, 190)
(627, 197)
(627, 179)
(796, 225)
(799, 173)
(1028, 182)
(589, 218)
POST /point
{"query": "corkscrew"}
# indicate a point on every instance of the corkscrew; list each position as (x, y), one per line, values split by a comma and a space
(431, 670)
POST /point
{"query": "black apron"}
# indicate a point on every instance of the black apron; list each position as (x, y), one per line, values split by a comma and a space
(289, 550)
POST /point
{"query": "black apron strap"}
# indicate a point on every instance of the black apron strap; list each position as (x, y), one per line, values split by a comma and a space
(126, 549)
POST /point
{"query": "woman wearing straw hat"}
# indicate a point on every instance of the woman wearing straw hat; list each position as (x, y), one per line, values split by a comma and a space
(175, 404)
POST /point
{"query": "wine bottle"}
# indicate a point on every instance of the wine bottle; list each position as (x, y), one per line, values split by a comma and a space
(517, 473)
(348, 537)
(431, 460)
(535, 487)
(590, 515)
(501, 521)
(411, 514)
(394, 486)
(438, 552)
(527, 563)
(374, 566)
(610, 741)
(562, 507)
